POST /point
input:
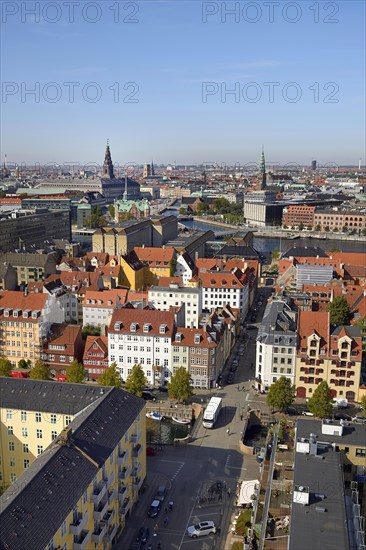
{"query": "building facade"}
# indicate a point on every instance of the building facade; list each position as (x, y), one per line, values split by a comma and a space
(164, 298)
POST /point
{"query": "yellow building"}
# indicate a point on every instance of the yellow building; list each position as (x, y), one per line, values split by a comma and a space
(24, 322)
(134, 271)
(159, 262)
(333, 355)
(77, 494)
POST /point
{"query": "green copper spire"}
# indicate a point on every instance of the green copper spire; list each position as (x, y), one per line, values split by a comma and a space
(262, 163)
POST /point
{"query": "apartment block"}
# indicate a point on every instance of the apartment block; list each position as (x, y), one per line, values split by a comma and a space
(299, 214)
(25, 321)
(99, 305)
(30, 267)
(276, 345)
(163, 298)
(330, 354)
(78, 493)
(142, 337)
(221, 288)
(159, 262)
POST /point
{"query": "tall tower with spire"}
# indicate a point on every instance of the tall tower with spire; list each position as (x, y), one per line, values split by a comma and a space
(108, 164)
(262, 177)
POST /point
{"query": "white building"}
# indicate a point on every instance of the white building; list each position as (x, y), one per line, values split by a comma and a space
(276, 345)
(163, 298)
(185, 267)
(142, 337)
(68, 300)
(220, 288)
(98, 306)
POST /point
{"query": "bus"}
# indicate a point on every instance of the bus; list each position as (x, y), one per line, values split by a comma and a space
(212, 412)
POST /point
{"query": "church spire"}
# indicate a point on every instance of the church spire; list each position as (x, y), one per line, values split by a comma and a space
(108, 164)
(262, 177)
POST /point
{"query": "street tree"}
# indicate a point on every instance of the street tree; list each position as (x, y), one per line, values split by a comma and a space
(321, 403)
(281, 394)
(111, 377)
(91, 330)
(75, 372)
(339, 311)
(40, 371)
(179, 387)
(363, 404)
(24, 364)
(275, 255)
(5, 367)
(136, 381)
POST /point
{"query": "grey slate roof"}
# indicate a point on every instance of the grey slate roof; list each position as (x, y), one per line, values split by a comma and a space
(39, 395)
(278, 325)
(34, 507)
(301, 251)
(352, 330)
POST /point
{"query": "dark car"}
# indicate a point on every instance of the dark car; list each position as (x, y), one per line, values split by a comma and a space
(154, 509)
(251, 327)
(143, 534)
(292, 411)
(147, 395)
(161, 493)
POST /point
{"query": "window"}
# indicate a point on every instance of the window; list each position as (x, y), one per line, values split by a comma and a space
(25, 432)
(39, 449)
(63, 528)
(13, 477)
(38, 417)
(39, 434)
(53, 419)
(67, 420)
(10, 430)
(23, 416)
(360, 452)
(25, 448)
(9, 414)
(26, 463)
(12, 462)
(11, 446)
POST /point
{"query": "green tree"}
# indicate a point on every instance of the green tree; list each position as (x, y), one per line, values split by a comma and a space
(90, 330)
(202, 208)
(363, 404)
(179, 387)
(111, 210)
(327, 228)
(173, 266)
(318, 228)
(5, 367)
(75, 372)
(24, 364)
(136, 381)
(321, 403)
(339, 311)
(111, 377)
(334, 249)
(275, 254)
(345, 228)
(281, 394)
(40, 371)
(310, 227)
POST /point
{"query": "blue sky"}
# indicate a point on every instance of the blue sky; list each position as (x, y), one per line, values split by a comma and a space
(168, 54)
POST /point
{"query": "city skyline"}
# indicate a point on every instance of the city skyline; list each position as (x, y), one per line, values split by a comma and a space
(185, 82)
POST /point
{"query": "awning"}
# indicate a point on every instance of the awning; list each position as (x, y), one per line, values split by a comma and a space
(248, 489)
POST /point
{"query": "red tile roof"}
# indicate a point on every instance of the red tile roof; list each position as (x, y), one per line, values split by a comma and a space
(187, 338)
(115, 296)
(17, 300)
(151, 255)
(220, 279)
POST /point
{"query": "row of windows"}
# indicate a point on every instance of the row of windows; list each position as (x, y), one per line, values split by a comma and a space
(141, 349)
(50, 417)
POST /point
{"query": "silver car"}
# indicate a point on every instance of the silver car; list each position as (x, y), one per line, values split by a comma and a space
(201, 529)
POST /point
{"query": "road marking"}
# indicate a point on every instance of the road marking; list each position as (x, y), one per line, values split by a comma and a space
(189, 518)
(177, 471)
(228, 457)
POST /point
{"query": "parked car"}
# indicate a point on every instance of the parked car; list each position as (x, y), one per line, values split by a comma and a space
(360, 419)
(154, 509)
(201, 529)
(143, 534)
(147, 395)
(161, 493)
(307, 413)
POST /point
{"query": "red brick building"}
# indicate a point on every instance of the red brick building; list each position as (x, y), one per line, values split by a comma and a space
(295, 215)
(63, 346)
(95, 357)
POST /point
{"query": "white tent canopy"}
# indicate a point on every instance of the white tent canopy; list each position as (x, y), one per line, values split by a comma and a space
(247, 490)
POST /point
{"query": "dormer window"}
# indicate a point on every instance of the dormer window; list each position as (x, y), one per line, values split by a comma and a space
(35, 314)
(117, 325)
(7, 312)
(146, 327)
(213, 282)
(109, 302)
(93, 301)
(133, 327)
(26, 313)
(197, 338)
(88, 301)
(178, 337)
(17, 312)
(162, 329)
(100, 302)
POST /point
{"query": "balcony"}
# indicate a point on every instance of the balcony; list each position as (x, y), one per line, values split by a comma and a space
(101, 510)
(109, 480)
(125, 505)
(136, 470)
(136, 451)
(83, 541)
(111, 533)
(98, 493)
(78, 525)
(112, 496)
(124, 473)
(137, 483)
(122, 458)
(135, 438)
(121, 492)
(99, 533)
(109, 517)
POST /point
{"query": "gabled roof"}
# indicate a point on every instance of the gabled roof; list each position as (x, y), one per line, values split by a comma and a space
(152, 255)
(311, 322)
(17, 300)
(101, 341)
(165, 281)
(188, 338)
(101, 298)
(64, 335)
(220, 279)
